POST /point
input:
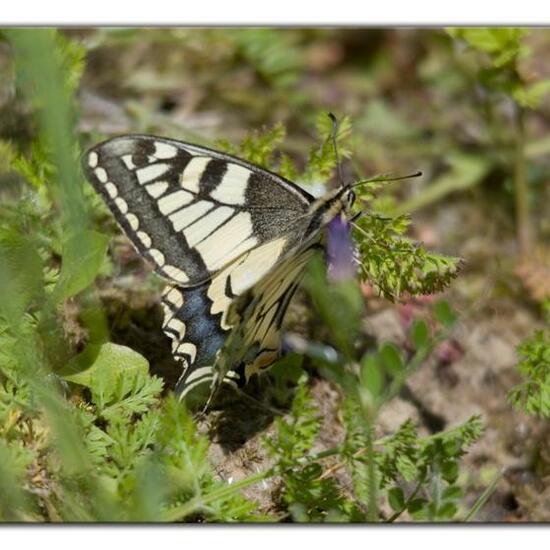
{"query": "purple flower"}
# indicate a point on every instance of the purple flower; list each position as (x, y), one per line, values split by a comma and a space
(342, 262)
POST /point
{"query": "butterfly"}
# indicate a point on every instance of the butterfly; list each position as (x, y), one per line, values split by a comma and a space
(232, 241)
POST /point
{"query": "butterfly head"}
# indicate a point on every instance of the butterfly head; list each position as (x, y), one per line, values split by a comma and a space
(336, 203)
(349, 199)
(346, 199)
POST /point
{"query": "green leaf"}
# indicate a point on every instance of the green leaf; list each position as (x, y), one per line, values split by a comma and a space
(447, 510)
(322, 159)
(257, 148)
(111, 361)
(391, 358)
(489, 39)
(419, 333)
(339, 304)
(452, 447)
(503, 43)
(371, 374)
(452, 493)
(397, 265)
(531, 95)
(48, 66)
(288, 368)
(406, 467)
(533, 394)
(444, 314)
(272, 54)
(14, 462)
(396, 499)
(83, 256)
(416, 507)
(7, 156)
(449, 471)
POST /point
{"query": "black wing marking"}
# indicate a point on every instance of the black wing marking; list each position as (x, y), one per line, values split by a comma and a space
(192, 211)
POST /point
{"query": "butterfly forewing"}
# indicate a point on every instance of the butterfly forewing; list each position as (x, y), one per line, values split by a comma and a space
(192, 211)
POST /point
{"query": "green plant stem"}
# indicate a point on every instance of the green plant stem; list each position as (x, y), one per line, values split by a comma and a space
(484, 497)
(523, 220)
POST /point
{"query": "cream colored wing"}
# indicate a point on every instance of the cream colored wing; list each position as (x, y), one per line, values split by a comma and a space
(192, 211)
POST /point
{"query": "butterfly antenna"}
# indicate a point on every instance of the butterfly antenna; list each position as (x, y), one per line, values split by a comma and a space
(335, 127)
(359, 214)
(386, 178)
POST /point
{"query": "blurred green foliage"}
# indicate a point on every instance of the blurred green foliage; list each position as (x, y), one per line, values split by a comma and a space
(496, 67)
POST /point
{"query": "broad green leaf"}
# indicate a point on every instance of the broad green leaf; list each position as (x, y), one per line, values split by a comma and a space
(444, 314)
(447, 510)
(393, 362)
(396, 499)
(289, 367)
(111, 361)
(417, 508)
(452, 493)
(419, 333)
(371, 374)
(449, 471)
(451, 447)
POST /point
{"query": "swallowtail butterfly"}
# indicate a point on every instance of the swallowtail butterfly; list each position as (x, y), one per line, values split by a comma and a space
(231, 240)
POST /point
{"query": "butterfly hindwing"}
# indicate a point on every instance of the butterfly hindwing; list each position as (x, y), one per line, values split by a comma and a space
(232, 337)
(202, 320)
(189, 210)
(196, 333)
(257, 316)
